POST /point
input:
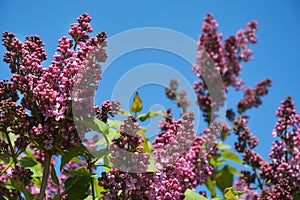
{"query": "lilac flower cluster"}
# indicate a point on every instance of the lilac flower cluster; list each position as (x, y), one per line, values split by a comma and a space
(252, 97)
(285, 153)
(176, 152)
(227, 56)
(48, 92)
(129, 166)
(245, 139)
(227, 59)
(21, 174)
(278, 179)
(127, 148)
(43, 118)
(108, 108)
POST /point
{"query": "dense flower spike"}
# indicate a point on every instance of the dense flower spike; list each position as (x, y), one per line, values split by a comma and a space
(45, 112)
(227, 59)
(280, 178)
(245, 139)
(252, 96)
(128, 173)
(127, 151)
(285, 153)
(21, 174)
(177, 154)
(108, 108)
(48, 93)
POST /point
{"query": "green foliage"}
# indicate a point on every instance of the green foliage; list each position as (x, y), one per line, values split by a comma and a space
(229, 193)
(71, 153)
(77, 187)
(224, 178)
(98, 189)
(232, 194)
(192, 195)
(54, 176)
(150, 114)
(227, 155)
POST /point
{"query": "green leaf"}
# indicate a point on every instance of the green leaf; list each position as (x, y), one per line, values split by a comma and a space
(124, 113)
(106, 162)
(81, 171)
(98, 189)
(54, 176)
(192, 195)
(210, 186)
(56, 197)
(28, 161)
(151, 166)
(137, 104)
(147, 146)
(297, 197)
(222, 146)
(215, 160)
(150, 114)
(232, 170)
(77, 187)
(36, 181)
(115, 124)
(101, 126)
(227, 155)
(70, 154)
(224, 135)
(94, 124)
(232, 194)
(13, 137)
(224, 179)
(19, 185)
(37, 170)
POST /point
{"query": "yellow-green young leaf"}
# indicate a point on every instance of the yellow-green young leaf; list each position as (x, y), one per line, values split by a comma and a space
(227, 155)
(98, 189)
(150, 114)
(192, 195)
(151, 166)
(232, 194)
(137, 104)
(114, 124)
(124, 113)
(216, 160)
(223, 146)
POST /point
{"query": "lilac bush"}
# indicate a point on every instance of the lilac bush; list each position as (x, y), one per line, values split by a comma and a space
(39, 125)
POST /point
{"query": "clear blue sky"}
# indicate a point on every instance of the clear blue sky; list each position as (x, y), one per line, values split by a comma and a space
(275, 56)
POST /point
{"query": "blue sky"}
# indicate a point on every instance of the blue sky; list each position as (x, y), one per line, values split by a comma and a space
(275, 56)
